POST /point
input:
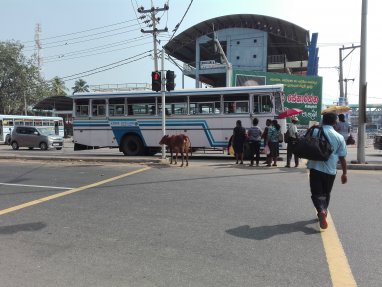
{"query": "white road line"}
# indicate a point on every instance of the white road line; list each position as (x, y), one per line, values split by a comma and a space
(28, 185)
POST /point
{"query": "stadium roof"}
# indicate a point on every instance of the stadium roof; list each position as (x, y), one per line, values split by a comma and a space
(283, 37)
(58, 103)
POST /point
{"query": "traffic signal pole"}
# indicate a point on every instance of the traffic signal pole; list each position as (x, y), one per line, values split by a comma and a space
(163, 91)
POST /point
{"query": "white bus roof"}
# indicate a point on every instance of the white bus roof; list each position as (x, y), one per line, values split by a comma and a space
(185, 92)
(30, 117)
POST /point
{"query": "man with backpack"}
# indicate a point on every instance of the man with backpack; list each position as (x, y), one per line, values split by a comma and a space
(323, 173)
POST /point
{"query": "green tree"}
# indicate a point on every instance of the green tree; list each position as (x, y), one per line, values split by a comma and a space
(80, 86)
(20, 82)
(58, 87)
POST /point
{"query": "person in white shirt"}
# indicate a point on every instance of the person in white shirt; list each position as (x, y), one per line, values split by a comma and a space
(293, 138)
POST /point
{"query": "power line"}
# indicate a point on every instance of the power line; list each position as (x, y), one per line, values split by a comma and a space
(119, 43)
(177, 25)
(70, 76)
(72, 58)
(67, 40)
(108, 68)
(97, 28)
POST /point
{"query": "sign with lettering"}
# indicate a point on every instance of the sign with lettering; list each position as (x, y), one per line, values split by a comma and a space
(302, 92)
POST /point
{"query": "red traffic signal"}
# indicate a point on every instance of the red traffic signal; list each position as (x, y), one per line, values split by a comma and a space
(156, 81)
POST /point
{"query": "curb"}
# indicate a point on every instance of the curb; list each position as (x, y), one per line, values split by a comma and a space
(151, 160)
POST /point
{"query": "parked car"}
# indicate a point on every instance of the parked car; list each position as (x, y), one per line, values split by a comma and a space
(39, 137)
(378, 141)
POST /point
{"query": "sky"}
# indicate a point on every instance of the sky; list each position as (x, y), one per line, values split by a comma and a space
(84, 35)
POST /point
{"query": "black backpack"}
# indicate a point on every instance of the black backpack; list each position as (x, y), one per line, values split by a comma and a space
(313, 147)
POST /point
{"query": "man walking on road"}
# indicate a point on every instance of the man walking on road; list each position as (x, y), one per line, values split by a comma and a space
(323, 173)
(293, 137)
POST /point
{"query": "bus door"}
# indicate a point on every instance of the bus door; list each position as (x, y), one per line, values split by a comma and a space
(56, 129)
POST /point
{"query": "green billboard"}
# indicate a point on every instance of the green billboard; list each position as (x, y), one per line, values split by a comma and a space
(302, 92)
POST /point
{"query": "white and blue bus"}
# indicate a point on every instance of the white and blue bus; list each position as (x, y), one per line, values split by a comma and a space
(8, 122)
(132, 121)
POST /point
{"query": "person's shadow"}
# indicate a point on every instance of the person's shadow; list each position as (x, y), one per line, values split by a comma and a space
(265, 232)
(12, 229)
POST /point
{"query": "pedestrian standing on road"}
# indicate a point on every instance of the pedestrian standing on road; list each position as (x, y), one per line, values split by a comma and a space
(292, 141)
(343, 127)
(323, 173)
(254, 139)
(273, 142)
(264, 136)
(238, 139)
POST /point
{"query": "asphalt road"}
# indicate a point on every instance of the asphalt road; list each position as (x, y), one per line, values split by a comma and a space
(210, 224)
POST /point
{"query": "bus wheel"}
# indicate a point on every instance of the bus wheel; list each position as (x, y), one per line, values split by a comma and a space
(132, 145)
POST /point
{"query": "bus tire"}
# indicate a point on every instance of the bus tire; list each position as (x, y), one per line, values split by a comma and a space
(132, 145)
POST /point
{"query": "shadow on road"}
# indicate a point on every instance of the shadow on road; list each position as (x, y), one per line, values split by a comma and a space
(12, 229)
(265, 232)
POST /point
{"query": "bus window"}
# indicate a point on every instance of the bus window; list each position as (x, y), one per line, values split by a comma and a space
(278, 103)
(99, 108)
(237, 104)
(117, 107)
(28, 122)
(262, 104)
(8, 122)
(175, 105)
(37, 122)
(199, 105)
(19, 122)
(140, 106)
(82, 108)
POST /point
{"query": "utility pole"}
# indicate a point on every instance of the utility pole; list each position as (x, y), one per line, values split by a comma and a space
(346, 90)
(362, 88)
(341, 77)
(155, 31)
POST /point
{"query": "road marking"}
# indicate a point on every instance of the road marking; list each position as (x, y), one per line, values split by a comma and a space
(61, 194)
(339, 267)
(42, 186)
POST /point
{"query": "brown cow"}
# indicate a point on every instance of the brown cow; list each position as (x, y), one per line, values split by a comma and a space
(177, 143)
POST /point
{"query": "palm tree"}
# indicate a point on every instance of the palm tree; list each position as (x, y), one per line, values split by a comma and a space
(58, 87)
(80, 86)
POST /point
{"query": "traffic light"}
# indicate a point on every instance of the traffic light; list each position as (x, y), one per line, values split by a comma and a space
(156, 81)
(170, 80)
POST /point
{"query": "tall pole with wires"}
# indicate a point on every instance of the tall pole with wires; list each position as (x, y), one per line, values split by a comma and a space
(155, 31)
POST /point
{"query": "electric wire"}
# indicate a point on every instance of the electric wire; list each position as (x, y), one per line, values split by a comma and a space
(74, 33)
(100, 53)
(101, 47)
(108, 68)
(135, 12)
(177, 25)
(132, 57)
(67, 41)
